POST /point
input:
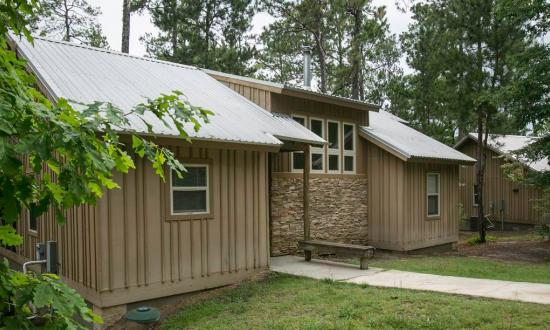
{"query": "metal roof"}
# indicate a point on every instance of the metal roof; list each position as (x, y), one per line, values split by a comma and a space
(507, 145)
(285, 89)
(407, 143)
(83, 74)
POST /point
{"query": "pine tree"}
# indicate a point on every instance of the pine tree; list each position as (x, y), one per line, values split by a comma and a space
(212, 34)
(71, 20)
(465, 53)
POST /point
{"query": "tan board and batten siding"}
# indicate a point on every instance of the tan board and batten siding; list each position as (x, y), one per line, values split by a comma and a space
(518, 205)
(125, 250)
(397, 211)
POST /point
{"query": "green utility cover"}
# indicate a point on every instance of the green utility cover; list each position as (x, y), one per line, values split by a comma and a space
(143, 315)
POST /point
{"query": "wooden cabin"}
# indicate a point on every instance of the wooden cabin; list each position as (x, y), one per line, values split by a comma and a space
(271, 159)
(376, 182)
(509, 204)
(153, 239)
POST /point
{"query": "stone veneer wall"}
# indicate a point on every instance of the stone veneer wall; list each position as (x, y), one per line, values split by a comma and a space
(338, 210)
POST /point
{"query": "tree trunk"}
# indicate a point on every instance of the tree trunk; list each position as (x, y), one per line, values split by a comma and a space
(357, 13)
(480, 175)
(322, 63)
(67, 36)
(125, 47)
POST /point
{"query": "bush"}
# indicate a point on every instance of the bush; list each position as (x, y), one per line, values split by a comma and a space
(474, 240)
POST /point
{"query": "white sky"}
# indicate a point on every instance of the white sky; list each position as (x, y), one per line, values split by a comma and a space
(111, 21)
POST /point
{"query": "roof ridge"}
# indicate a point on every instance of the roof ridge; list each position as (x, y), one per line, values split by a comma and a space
(114, 52)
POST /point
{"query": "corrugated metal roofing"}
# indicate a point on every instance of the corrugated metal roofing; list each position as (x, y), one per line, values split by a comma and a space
(86, 74)
(407, 142)
(507, 145)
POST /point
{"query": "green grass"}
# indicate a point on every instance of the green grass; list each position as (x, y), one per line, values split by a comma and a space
(287, 302)
(470, 267)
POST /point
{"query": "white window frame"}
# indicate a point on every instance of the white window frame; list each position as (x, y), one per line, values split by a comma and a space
(345, 152)
(206, 189)
(334, 151)
(32, 231)
(474, 201)
(292, 169)
(438, 194)
(317, 150)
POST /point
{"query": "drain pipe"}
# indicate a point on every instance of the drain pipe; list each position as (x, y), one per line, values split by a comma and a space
(33, 262)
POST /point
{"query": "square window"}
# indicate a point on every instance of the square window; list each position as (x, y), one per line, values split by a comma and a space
(190, 194)
(333, 162)
(317, 162)
(298, 160)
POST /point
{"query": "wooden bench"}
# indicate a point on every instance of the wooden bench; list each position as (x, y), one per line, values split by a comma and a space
(363, 252)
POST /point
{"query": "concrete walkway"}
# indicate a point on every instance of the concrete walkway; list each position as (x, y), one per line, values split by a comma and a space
(320, 269)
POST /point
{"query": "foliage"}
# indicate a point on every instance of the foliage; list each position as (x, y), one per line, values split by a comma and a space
(53, 158)
(289, 302)
(70, 20)
(470, 75)
(355, 54)
(475, 240)
(212, 34)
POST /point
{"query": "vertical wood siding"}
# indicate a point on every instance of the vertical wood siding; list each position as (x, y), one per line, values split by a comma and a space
(518, 205)
(397, 203)
(257, 95)
(125, 250)
(419, 230)
(141, 249)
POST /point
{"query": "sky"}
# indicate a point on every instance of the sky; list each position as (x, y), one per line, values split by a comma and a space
(111, 21)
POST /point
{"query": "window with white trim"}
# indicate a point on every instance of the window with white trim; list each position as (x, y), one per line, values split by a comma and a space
(190, 194)
(333, 147)
(32, 222)
(432, 194)
(297, 157)
(348, 140)
(317, 126)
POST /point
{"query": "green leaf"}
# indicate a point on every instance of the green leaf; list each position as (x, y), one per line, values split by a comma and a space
(9, 237)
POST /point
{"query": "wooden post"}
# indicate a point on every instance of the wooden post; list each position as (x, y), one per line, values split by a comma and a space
(305, 197)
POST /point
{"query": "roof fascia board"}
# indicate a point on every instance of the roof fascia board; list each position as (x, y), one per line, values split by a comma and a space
(392, 150)
(442, 161)
(295, 92)
(246, 83)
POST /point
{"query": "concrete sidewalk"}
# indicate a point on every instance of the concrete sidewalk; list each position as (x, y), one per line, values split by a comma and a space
(320, 269)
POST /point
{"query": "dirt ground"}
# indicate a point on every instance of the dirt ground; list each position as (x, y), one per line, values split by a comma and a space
(524, 246)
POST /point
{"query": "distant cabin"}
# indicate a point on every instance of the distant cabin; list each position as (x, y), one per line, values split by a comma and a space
(507, 202)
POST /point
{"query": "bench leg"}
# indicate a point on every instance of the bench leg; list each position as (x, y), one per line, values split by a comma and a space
(307, 254)
(364, 263)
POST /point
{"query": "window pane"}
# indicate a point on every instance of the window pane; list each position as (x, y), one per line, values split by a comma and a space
(195, 177)
(189, 201)
(317, 127)
(333, 135)
(433, 205)
(317, 162)
(348, 137)
(348, 163)
(300, 120)
(33, 221)
(433, 184)
(333, 162)
(298, 160)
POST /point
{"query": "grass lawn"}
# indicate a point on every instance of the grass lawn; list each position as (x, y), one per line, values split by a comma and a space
(469, 267)
(288, 302)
